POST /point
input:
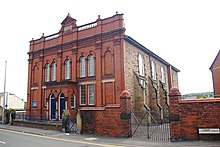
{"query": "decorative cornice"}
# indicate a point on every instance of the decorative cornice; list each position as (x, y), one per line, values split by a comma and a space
(84, 41)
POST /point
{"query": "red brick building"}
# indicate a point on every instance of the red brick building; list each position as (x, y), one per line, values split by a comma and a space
(215, 69)
(87, 67)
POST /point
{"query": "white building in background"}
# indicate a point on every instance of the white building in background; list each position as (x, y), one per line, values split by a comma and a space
(12, 101)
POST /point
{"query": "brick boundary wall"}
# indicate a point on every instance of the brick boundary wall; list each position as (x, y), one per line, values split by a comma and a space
(39, 125)
(114, 120)
(188, 116)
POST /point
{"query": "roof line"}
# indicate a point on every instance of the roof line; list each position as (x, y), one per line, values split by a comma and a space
(214, 60)
(140, 46)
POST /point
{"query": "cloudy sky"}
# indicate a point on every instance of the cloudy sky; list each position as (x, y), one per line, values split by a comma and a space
(186, 33)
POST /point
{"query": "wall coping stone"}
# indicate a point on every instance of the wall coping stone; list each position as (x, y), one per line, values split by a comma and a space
(206, 100)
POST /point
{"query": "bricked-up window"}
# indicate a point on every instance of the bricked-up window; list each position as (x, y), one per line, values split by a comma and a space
(91, 65)
(82, 67)
(82, 94)
(108, 63)
(91, 94)
(54, 70)
(73, 101)
(153, 70)
(162, 74)
(67, 69)
(47, 72)
(141, 65)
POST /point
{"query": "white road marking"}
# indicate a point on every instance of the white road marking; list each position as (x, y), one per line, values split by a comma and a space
(2, 142)
(91, 138)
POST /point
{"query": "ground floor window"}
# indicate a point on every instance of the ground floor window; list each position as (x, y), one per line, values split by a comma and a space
(82, 94)
(91, 94)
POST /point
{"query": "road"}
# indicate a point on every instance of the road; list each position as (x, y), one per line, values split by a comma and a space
(10, 138)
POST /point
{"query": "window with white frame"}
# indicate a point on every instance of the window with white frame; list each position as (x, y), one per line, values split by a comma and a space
(54, 70)
(141, 65)
(67, 69)
(142, 78)
(82, 94)
(47, 72)
(73, 101)
(82, 67)
(91, 94)
(162, 74)
(91, 65)
(153, 70)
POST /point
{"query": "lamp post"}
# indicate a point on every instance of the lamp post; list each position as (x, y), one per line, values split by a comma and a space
(3, 105)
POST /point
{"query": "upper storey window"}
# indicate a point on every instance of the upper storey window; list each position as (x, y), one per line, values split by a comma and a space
(67, 69)
(153, 70)
(47, 72)
(91, 65)
(54, 70)
(82, 67)
(162, 74)
(141, 65)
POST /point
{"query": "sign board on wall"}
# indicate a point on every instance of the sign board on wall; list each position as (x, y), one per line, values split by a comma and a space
(209, 131)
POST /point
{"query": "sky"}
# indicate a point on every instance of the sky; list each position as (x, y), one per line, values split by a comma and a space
(185, 33)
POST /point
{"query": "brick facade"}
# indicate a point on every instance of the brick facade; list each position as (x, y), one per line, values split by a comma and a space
(60, 76)
(215, 69)
(188, 116)
(112, 121)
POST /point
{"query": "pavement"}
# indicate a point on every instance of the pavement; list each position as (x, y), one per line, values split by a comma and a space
(127, 142)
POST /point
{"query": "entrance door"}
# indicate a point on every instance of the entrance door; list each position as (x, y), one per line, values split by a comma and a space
(53, 109)
(62, 104)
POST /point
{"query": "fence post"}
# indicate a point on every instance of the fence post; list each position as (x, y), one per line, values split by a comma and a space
(174, 97)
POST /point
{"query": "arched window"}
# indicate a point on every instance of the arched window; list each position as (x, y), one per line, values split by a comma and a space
(67, 69)
(54, 70)
(47, 72)
(153, 70)
(141, 65)
(91, 65)
(82, 67)
(162, 74)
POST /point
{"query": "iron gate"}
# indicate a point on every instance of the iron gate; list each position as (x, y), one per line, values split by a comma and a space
(152, 131)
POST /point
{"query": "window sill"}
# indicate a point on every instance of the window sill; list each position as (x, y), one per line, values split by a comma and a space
(92, 108)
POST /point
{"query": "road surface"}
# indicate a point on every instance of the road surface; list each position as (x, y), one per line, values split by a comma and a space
(10, 138)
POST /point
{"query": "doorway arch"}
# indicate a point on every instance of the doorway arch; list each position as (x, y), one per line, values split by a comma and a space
(62, 104)
(52, 107)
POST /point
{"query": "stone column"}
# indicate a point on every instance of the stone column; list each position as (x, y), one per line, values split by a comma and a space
(174, 97)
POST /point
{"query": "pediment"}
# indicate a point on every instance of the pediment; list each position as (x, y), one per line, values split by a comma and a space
(68, 21)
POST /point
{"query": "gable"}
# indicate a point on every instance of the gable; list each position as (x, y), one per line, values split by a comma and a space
(68, 21)
(216, 62)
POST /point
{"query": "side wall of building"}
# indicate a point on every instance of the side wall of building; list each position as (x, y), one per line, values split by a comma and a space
(154, 94)
(216, 76)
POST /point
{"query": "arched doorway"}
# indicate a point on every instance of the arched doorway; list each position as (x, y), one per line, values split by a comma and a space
(62, 104)
(52, 107)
